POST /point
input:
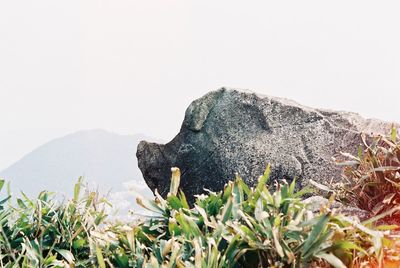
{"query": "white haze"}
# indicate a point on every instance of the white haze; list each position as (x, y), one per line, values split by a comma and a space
(133, 66)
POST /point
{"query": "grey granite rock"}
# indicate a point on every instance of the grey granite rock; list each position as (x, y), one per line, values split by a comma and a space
(315, 203)
(229, 131)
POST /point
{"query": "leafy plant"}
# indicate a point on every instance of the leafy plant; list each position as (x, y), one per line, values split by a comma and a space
(237, 227)
(248, 227)
(42, 233)
(373, 177)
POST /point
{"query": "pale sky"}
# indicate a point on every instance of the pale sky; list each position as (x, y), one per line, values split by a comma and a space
(134, 66)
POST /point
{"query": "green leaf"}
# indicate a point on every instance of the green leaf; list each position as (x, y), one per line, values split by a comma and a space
(393, 135)
(232, 250)
(173, 227)
(79, 243)
(316, 232)
(360, 152)
(77, 189)
(245, 188)
(387, 227)
(2, 184)
(174, 202)
(263, 180)
(291, 187)
(376, 236)
(193, 226)
(21, 203)
(305, 190)
(122, 259)
(100, 258)
(49, 260)
(319, 245)
(183, 199)
(4, 200)
(227, 211)
(347, 245)
(183, 224)
(247, 232)
(67, 255)
(27, 199)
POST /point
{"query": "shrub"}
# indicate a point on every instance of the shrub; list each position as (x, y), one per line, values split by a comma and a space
(248, 227)
(43, 233)
(373, 177)
(238, 227)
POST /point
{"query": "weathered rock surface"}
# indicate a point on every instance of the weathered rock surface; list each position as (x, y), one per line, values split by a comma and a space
(315, 203)
(229, 131)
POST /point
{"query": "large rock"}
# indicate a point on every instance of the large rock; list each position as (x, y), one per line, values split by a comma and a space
(230, 131)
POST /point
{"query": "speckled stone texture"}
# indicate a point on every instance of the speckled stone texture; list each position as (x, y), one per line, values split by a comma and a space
(232, 131)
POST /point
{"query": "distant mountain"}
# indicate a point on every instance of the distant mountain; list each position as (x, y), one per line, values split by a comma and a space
(106, 160)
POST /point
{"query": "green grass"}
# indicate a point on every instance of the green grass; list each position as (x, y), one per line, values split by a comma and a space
(238, 227)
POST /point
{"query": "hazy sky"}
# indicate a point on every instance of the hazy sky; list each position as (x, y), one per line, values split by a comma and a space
(134, 66)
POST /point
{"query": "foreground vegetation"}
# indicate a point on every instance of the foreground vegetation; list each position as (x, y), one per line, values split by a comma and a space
(373, 177)
(238, 227)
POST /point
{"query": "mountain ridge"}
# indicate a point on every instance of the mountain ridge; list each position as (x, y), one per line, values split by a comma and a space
(105, 159)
